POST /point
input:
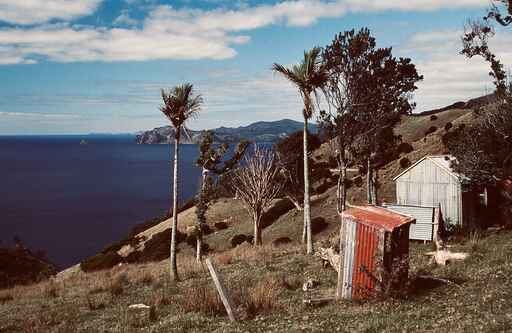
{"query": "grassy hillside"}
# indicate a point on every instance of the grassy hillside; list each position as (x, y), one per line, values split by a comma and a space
(266, 283)
(283, 220)
(266, 288)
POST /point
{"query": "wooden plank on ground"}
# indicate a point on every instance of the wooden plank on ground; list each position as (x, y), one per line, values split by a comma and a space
(220, 288)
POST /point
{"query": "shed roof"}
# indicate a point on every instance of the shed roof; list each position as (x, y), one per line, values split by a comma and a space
(442, 161)
(378, 217)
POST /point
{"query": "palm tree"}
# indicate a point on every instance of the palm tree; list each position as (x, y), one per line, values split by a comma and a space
(308, 76)
(179, 106)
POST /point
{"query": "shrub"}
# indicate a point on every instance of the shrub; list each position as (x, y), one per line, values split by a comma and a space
(448, 126)
(433, 117)
(405, 162)
(405, 148)
(101, 261)
(318, 224)
(221, 225)
(278, 209)
(157, 247)
(281, 240)
(237, 240)
(431, 130)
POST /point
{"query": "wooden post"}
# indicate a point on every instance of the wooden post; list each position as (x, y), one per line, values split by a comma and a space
(220, 288)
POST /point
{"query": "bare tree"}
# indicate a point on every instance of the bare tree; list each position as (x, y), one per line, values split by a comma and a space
(257, 183)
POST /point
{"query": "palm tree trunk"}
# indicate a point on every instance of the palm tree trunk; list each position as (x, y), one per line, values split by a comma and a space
(174, 268)
(307, 208)
(374, 186)
(199, 245)
(369, 186)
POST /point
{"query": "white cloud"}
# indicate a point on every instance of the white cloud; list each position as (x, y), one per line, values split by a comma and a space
(124, 19)
(38, 115)
(168, 33)
(40, 11)
(449, 76)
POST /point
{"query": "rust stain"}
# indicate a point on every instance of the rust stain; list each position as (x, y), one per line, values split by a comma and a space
(378, 217)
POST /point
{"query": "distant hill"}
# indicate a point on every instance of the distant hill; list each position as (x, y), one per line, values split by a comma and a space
(261, 131)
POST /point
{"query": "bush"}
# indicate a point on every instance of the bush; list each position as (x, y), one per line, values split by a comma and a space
(431, 130)
(157, 248)
(101, 261)
(405, 163)
(405, 148)
(318, 224)
(448, 126)
(278, 209)
(433, 117)
(281, 241)
(237, 240)
(221, 225)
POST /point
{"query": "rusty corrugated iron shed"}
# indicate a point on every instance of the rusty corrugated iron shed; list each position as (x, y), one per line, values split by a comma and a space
(377, 217)
(375, 238)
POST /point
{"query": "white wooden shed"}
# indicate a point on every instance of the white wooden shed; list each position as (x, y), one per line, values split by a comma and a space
(431, 182)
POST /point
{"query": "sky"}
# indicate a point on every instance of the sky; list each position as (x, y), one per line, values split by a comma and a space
(96, 66)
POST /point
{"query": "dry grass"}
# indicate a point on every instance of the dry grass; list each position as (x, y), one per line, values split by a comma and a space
(224, 259)
(203, 299)
(263, 297)
(6, 297)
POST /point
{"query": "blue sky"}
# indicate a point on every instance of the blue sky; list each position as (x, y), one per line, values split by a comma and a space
(80, 66)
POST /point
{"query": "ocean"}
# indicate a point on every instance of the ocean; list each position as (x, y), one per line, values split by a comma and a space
(71, 199)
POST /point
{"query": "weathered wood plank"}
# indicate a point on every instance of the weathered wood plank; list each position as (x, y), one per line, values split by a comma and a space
(220, 288)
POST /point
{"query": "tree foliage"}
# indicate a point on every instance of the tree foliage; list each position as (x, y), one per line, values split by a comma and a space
(369, 90)
(290, 160)
(483, 151)
(212, 160)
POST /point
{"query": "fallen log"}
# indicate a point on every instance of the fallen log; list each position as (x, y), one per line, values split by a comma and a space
(444, 257)
(318, 301)
(329, 255)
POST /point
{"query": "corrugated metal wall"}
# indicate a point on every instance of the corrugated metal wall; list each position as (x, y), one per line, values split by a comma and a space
(428, 184)
(348, 262)
(424, 227)
(363, 279)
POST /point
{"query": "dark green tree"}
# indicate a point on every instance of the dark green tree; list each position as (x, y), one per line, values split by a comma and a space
(291, 167)
(369, 90)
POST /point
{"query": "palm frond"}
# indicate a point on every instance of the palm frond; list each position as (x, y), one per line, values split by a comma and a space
(180, 104)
